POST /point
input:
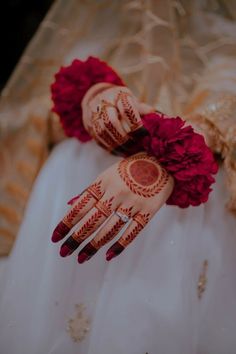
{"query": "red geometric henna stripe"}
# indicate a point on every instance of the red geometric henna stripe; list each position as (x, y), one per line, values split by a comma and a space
(96, 190)
(142, 219)
(105, 207)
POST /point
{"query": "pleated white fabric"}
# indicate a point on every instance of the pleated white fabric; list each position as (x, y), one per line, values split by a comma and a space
(145, 300)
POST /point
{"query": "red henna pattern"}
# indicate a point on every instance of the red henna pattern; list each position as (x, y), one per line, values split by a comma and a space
(96, 190)
(144, 172)
(105, 117)
(126, 211)
(105, 207)
(128, 109)
(70, 218)
(89, 227)
(141, 221)
(125, 170)
(98, 243)
(125, 241)
(94, 221)
(109, 235)
(101, 134)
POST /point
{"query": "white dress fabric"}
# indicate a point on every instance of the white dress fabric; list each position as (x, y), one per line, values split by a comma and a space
(145, 300)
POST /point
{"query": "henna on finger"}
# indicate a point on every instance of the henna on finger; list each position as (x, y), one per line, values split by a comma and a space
(81, 205)
(106, 234)
(89, 226)
(95, 190)
(108, 110)
(133, 230)
(102, 136)
(128, 111)
(97, 130)
(101, 211)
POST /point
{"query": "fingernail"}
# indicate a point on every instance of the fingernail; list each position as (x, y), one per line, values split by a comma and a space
(65, 251)
(56, 236)
(60, 231)
(82, 257)
(110, 255)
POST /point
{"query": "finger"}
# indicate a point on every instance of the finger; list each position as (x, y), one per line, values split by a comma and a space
(106, 234)
(111, 120)
(145, 108)
(79, 208)
(96, 129)
(132, 231)
(101, 135)
(130, 117)
(89, 224)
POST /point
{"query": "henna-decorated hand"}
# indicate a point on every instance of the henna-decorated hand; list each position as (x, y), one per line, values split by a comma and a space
(132, 190)
(111, 114)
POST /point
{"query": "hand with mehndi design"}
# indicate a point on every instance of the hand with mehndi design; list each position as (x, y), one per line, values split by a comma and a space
(131, 191)
(111, 114)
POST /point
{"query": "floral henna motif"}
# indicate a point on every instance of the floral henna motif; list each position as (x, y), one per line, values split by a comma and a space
(89, 227)
(109, 235)
(108, 124)
(103, 135)
(126, 211)
(98, 243)
(70, 218)
(142, 175)
(105, 207)
(104, 210)
(141, 221)
(128, 109)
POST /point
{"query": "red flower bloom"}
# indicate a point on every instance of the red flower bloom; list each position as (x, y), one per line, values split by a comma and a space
(184, 154)
(69, 88)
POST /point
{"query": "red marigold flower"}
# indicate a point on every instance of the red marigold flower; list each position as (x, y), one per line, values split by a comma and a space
(71, 84)
(184, 154)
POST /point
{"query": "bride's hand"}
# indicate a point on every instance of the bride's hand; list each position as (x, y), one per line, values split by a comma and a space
(111, 114)
(131, 191)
